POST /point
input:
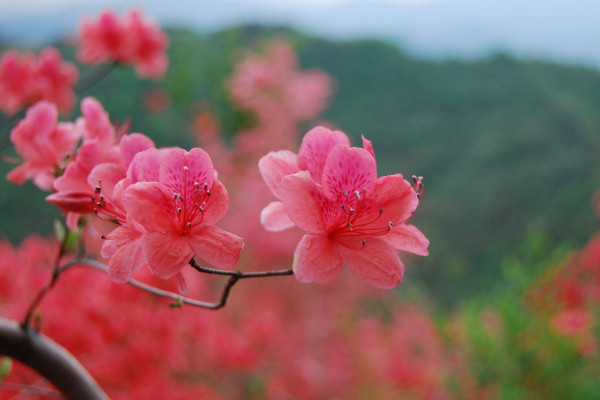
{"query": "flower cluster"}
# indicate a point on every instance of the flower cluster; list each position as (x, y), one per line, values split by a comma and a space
(352, 217)
(129, 39)
(26, 79)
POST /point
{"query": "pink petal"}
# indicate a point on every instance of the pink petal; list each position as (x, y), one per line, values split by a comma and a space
(124, 260)
(407, 238)
(396, 197)
(217, 204)
(132, 144)
(316, 145)
(95, 123)
(145, 165)
(368, 145)
(376, 263)
(72, 201)
(301, 197)
(216, 246)
(347, 170)
(149, 205)
(275, 218)
(181, 285)
(277, 165)
(315, 259)
(106, 176)
(181, 170)
(166, 254)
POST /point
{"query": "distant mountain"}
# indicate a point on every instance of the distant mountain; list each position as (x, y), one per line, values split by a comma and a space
(558, 30)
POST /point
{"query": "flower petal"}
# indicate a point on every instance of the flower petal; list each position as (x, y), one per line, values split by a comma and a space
(315, 147)
(301, 197)
(180, 170)
(368, 145)
(132, 144)
(275, 218)
(277, 165)
(407, 238)
(315, 259)
(217, 205)
(147, 203)
(145, 165)
(216, 246)
(376, 263)
(124, 260)
(166, 254)
(348, 169)
(396, 197)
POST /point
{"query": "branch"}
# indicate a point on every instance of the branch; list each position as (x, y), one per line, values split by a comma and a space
(180, 300)
(50, 360)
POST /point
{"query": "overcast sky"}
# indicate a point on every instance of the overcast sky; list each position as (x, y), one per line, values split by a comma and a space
(20, 7)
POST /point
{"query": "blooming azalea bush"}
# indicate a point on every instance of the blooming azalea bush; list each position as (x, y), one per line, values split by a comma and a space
(151, 233)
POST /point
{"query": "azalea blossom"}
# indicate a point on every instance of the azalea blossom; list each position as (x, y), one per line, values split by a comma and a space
(352, 217)
(166, 208)
(101, 145)
(26, 79)
(44, 143)
(130, 39)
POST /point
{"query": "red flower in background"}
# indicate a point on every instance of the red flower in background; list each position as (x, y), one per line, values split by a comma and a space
(130, 40)
(44, 144)
(26, 79)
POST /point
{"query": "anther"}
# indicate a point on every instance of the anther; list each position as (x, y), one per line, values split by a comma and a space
(363, 243)
(345, 193)
(351, 211)
(357, 194)
(185, 168)
(343, 206)
(208, 192)
(102, 237)
(99, 204)
(178, 210)
(174, 196)
(205, 186)
(380, 211)
(97, 189)
(189, 224)
(390, 224)
(200, 209)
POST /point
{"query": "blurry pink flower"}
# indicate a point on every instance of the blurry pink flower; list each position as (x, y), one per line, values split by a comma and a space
(351, 217)
(44, 144)
(171, 199)
(272, 87)
(129, 40)
(56, 79)
(17, 72)
(25, 79)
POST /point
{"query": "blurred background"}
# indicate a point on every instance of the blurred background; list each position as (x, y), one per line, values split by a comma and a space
(495, 103)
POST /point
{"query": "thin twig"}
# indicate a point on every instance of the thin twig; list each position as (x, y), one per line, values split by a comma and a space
(235, 276)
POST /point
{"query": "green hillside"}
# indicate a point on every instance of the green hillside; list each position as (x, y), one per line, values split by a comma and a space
(508, 148)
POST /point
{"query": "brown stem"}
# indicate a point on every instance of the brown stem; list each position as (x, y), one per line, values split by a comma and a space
(50, 360)
(179, 299)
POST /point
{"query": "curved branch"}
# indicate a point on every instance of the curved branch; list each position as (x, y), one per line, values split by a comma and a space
(50, 360)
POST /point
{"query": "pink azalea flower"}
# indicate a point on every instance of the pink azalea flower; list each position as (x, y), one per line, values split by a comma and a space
(73, 188)
(17, 72)
(44, 144)
(25, 80)
(56, 79)
(351, 217)
(171, 199)
(129, 40)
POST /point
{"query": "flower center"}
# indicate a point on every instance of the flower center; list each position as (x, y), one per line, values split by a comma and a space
(355, 217)
(189, 209)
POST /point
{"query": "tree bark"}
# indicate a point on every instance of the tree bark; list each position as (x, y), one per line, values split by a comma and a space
(50, 360)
